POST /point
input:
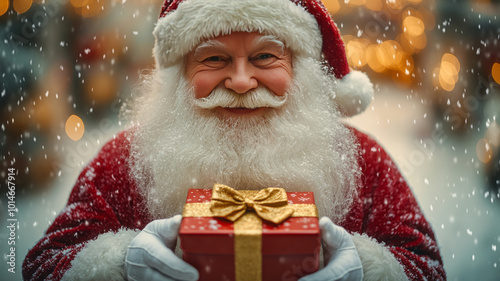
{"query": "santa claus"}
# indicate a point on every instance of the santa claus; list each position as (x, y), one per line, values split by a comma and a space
(251, 94)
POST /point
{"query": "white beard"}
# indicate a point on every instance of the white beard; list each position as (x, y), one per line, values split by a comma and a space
(300, 146)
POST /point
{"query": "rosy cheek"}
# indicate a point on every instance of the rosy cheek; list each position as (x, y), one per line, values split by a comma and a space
(203, 86)
(279, 83)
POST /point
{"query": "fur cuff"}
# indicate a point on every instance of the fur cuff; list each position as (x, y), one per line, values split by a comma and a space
(102, 258)
(378, 262)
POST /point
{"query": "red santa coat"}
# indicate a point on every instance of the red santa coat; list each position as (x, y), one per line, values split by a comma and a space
(89, 238)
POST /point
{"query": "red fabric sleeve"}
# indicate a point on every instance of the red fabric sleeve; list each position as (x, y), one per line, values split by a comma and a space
(102, 200)
(392, 216)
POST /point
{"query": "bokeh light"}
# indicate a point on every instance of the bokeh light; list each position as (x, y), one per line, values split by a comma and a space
(495, 72)
(74, 127)
(390, 54)
(22, 6)
(101, 88)
(389, 42)
(88, 8)
(375, 5)
(356, 50)
(395, 4)
(448, 72)
(332, 6)
(373, 60)
(355, 2)
(4, 6)
(413, 26)
(79, 3)
(484, 151)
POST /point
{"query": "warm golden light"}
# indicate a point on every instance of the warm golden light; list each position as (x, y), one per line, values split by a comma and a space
(395, 4)
(372, 59)
(4, 6)
(413, 26)
(452, 60)
(375, 5)
(88, 8)
(495, 72)
(100, 88)
(332, 6)
(355, 51)
(448, 72)
(428, 18)
(484, 151)
(355, 2)
(74, 127)
(416, 43)
(22, 6)
(406, 65)
(79, 3)
(435, 77)
(389, 53)
(92, 9)
(445, 84)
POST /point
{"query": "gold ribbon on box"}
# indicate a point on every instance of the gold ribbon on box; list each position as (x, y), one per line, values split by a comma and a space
(246, 208)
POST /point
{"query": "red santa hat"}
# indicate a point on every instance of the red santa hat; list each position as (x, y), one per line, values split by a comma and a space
(305, 26)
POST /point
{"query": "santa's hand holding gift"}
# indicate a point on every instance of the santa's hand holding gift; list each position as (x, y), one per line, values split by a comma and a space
(250, 94)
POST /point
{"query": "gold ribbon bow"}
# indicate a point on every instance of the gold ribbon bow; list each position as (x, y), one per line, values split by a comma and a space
(270, 204)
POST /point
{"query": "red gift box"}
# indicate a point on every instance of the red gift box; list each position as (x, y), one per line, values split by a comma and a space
(221, 250)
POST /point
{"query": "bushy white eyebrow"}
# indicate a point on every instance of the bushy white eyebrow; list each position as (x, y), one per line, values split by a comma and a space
(260, 41)
(208, 44)
(269, 39)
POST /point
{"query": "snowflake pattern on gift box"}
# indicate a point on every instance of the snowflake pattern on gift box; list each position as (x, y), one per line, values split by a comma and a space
(214, 225)
(300, 198)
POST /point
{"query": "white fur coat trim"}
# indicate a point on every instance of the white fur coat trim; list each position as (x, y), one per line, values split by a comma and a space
(102, 258)
(195, 20)
(379, 264)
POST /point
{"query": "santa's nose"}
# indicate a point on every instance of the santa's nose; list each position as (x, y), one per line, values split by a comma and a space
(241, 77)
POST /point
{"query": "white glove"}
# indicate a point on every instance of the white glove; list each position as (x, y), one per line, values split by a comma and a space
(341, 257)
(150, 255)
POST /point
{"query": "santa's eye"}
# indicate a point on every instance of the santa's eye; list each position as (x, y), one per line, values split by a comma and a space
(213, 59)
(264, 59)
(264, 56)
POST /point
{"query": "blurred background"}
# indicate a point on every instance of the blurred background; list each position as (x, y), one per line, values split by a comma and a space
(67, 66)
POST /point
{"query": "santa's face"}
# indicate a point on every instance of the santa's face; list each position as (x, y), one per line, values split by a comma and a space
(193, 132)
(239, 62)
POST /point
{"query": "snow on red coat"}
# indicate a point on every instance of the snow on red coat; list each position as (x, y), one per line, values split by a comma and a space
(89, 238)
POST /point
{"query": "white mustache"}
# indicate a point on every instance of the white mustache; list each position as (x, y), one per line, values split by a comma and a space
(260, 97)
